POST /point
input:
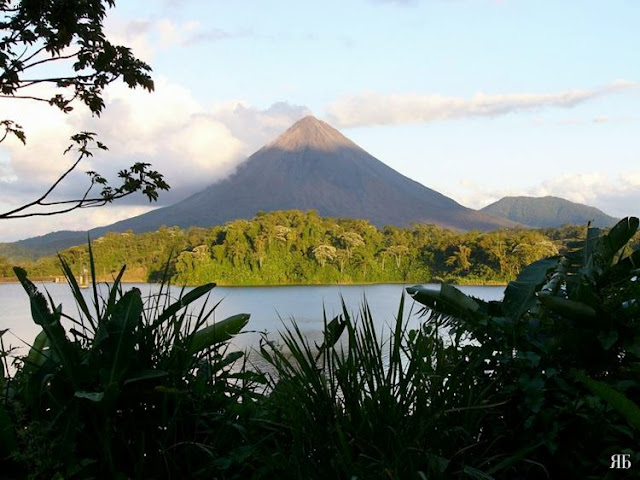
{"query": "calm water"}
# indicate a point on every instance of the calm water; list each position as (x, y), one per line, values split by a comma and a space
(269, 306)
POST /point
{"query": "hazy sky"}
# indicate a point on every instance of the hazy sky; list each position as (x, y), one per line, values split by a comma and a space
(476, 99)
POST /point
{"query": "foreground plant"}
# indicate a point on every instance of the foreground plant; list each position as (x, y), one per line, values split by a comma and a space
(367, 403)
(131, 390)
(564, 347)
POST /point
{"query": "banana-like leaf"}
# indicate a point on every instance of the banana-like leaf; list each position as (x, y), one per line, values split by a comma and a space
(50, 323)
(96, 397)
(590, 246)
(121, 327)
(627, 408)
(618, 237)
(36, 356)
(569, 308)
(184, 301)
(228, 359)
(217, 333)
(332, 332)
(626, 267)
(447, 300)
(605, 250)
(520, 295)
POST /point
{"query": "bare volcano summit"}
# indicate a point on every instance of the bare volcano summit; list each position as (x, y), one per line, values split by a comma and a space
(312, 166)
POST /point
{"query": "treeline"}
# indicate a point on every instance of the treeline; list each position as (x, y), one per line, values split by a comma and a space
(295, 247)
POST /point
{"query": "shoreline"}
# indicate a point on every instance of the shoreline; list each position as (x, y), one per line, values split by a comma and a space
(6, 281)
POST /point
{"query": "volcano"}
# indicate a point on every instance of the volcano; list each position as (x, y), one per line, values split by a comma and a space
(312, 166)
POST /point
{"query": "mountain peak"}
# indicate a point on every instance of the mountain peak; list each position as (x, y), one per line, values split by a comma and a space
(309, 132)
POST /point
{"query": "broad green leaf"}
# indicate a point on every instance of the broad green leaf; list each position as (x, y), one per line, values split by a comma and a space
(332, 332)
(217, 333)
(228, 359)
(627, 408)
(36, 356)
(93, 396)
(187, 299)
(520, 295)
(50, 323)
(618, 237)
(121, 326)
(569, 308)
(446, 299)
(626, 267)
(607, 339)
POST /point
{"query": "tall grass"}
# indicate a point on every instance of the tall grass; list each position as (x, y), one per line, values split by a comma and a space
(367, 404)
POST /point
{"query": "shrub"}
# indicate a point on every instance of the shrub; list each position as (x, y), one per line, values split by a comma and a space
(133, 389)
(564, 348)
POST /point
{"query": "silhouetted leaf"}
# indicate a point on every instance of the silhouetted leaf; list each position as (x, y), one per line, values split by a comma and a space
(217, 333)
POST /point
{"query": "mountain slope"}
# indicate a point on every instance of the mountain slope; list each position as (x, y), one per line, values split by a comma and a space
(313, 166)
(548, 212)
(41, 246)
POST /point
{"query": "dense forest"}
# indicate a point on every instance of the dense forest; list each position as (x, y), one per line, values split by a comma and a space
(294, 247)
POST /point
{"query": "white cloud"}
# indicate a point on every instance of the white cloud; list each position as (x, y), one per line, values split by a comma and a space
(191, 145)
(146, 37)
(135, 34)
(255, 127)
(373, 108)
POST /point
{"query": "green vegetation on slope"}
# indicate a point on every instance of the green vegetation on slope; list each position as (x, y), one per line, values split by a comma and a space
(294, 247)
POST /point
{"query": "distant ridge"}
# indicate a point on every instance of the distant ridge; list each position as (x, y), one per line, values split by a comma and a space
(311, 166)
(548, 211)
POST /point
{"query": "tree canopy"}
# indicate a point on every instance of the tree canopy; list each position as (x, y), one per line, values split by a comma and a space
(61, 45)
(294, 247)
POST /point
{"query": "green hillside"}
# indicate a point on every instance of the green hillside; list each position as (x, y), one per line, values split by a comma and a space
(548, 211)
(294, 247)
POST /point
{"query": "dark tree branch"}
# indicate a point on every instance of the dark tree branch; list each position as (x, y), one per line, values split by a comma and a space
(39, 33)
(50, 59)
(26, 97)
(136, 179)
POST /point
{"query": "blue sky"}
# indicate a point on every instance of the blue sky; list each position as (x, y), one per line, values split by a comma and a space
(474, 98)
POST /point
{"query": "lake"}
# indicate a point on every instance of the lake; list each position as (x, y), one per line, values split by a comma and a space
(269, 306)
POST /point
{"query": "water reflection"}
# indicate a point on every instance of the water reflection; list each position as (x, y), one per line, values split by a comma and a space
(270, 307)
